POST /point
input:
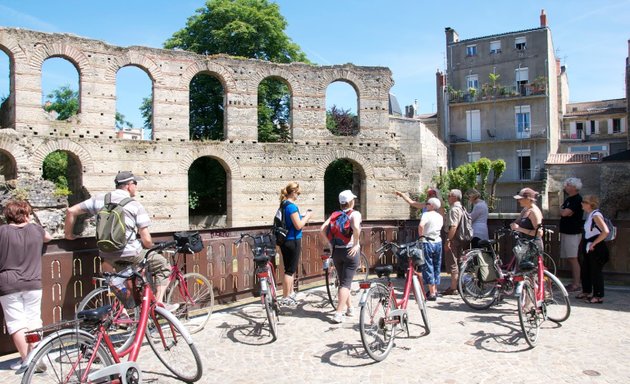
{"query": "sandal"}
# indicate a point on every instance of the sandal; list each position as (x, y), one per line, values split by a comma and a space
(583, 296)
(596, 300)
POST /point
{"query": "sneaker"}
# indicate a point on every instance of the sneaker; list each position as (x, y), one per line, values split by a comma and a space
(288, 302)
(17, 365)
(171, 307)
(449, 291)
(338, 318)
(350, 312)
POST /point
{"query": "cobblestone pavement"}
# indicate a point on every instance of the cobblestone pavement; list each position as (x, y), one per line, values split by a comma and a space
(465, 346)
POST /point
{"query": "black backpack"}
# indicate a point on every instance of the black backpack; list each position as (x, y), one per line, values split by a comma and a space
(279, 228)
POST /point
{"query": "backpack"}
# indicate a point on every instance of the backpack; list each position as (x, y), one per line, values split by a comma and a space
(111, 230)
(612, 230)
(279, 227)
(339, 231)
(464, 229)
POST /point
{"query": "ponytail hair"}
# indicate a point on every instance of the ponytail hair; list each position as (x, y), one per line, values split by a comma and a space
(288, 190)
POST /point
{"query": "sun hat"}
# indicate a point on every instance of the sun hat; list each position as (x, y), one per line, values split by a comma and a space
(346, 196)
(526, 193)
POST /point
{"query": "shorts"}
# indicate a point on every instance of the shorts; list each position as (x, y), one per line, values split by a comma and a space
(291, 251)
(22, 310)
(569, 245)
(158, 265)
(346, 266)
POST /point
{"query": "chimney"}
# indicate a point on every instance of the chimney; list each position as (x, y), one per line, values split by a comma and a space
(543, 19)
(451, 36)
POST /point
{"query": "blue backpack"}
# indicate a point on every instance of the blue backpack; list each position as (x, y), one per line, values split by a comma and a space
(339, 231)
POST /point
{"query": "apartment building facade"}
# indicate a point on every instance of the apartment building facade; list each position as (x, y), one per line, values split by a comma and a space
(501, 97)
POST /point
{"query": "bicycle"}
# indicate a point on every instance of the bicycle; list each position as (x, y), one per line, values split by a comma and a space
(192, 293)
(382, 311)
(81, 350)
(484, 279)
(540, 294)
(264, 251)
(332, 278)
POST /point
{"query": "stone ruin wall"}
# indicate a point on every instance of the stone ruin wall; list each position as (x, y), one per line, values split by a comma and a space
(391, 152)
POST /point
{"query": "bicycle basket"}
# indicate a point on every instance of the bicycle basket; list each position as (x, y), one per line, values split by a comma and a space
(188, 242)
(413, 250)
(124, 286)
(525, 251)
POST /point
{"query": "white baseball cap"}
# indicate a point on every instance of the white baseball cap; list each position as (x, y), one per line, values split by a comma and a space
(346, 196)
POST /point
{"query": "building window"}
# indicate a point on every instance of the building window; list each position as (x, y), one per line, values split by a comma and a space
(473, 156)
(579, 130)
(593, 127)
(520, 43)
(473, 125)
(472, 81)
(522, 79)
(616, 124)
(495, 47)
(524, 164)
(523, 121)
(471, 50)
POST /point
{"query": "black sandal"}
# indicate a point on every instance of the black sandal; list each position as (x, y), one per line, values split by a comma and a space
(596, 300)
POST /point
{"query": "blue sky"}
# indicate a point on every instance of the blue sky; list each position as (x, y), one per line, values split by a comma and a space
(590, 37)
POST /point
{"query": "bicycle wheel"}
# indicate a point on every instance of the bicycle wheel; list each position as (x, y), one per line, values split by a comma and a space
(422, 304)
(124, 321)
(195, 306)
(377, 331)
(556, 299)
(65, 359)
(267, 301)
(173, 345)
(332, 285)
(528, 314)
(476, 292)
(549, 264)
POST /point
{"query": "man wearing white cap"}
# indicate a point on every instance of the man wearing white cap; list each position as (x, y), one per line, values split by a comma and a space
(137, 222)
(343, 231)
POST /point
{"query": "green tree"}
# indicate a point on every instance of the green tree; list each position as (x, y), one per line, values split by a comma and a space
(55, 169)
(64, 101)
(146, 111)
(121, 122)
(483, 167)
(498, 167)
(342, 122)
(338, 177)
(246, 28)
(274, 107)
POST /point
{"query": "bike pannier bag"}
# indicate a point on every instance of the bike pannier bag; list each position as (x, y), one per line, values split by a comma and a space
(487, 271)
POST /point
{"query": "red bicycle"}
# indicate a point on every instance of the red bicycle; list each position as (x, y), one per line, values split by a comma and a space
(382, 311)
(82, 351)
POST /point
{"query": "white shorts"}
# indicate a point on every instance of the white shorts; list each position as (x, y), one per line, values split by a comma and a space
(22, 310)
(569, 245)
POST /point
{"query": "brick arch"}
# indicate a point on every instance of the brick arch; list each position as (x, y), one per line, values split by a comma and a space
(11, 146)
(137, 59)
(42, 52)
(345, 74)
(275, 71)
(220, 72)
(37, 159)
(14, 51)
(336, 154)
(223, 157)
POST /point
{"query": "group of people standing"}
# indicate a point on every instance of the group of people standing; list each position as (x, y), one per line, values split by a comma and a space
(582, 235)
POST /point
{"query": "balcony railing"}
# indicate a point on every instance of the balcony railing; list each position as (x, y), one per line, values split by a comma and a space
(497, 93)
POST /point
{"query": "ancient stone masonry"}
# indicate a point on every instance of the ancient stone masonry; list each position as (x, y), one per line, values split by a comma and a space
(389, 152)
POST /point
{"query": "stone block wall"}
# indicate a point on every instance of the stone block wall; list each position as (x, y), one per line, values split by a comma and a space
(387, 151)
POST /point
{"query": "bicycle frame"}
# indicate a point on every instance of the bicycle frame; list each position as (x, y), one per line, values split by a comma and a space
(263, 276)
(176, 274)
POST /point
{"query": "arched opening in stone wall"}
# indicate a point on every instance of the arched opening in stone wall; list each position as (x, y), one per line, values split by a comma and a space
(206, 101)
(8, 167)
(207, 193)
(342, 104)
(342, 174)
(65, 170)
(60, 88)
(134, 104)
(274, 111)
(6, 114)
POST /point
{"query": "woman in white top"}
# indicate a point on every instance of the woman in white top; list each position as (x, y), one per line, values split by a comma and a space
(595, 232)
(430, 225)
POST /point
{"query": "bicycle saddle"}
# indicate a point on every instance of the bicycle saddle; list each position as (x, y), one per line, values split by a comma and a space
(95, 315)
(384, 270)
(526, 265)
(486, 243)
